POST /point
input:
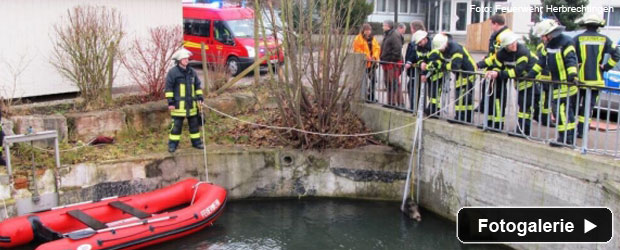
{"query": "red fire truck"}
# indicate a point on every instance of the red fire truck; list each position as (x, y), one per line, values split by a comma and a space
(228, 35)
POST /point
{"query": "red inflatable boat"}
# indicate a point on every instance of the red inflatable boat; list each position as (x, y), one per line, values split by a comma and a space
(129, 222)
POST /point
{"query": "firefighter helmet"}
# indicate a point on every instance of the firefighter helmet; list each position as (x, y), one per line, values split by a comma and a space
(439, 41)
(591, 18)
(418, 36)
(545, 27)
(181, 54)
(507, 38)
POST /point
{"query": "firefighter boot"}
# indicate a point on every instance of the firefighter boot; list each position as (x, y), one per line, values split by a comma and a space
(172, 146)
(197, 143)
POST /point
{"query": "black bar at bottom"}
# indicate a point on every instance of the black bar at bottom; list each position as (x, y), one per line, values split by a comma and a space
(535, 225)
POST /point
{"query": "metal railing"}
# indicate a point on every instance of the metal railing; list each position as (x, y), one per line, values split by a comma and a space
(543, 111)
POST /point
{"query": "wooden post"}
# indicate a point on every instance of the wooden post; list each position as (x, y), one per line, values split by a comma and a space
(110, 67)
(257, 16)
(205, 69)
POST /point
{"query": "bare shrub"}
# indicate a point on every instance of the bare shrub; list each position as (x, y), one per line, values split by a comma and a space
(8, 87)
(148, 61)
(86, 49)
(311, 90)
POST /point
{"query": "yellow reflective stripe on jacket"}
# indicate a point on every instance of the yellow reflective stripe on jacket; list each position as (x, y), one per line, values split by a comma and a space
(611, 62)
(511, 73)
(524, 85)
(561, 69)
(169, 94)
(522, 59)
(537, 68)
(199, 92)
(568, 50)
(182, 90)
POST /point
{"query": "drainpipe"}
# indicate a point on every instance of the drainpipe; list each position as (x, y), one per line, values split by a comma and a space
(396, 13)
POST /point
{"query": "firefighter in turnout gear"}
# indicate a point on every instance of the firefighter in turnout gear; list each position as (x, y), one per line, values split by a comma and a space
(184, 94)
(434, 68)
(422, 48)
(591, 46)
(560, 59)
(456, 57)
(513, 60)
(498, 25)
(542, 106)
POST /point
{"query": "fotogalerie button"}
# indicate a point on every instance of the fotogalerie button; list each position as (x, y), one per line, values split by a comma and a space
(483, 225)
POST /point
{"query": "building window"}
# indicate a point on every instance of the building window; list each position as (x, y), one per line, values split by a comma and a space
(461, 15)
(390, 6)
(536, 14)
(402, 8)
(445, 16)
(475, 15)
(381, 4)
(613, 16)
(413, 6)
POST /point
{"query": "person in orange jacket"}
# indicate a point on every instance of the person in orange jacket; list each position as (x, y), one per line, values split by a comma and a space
(366, 43)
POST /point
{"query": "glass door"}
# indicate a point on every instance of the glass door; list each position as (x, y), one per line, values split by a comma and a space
(461, 12)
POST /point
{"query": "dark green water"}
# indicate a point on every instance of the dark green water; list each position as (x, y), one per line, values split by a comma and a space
(321, 224)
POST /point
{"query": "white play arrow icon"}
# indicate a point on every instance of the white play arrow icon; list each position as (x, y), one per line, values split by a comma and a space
(587, 226)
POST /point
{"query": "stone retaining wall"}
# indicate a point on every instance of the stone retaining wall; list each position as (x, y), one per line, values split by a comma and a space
(465, 166)
(372, 172)
(85, 126)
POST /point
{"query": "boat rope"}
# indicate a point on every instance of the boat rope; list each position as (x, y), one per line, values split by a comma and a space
(204, 143)
(195, 187)
(6, 213)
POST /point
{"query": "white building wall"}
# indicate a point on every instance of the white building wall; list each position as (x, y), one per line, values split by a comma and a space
(522, 23)
(28, 35)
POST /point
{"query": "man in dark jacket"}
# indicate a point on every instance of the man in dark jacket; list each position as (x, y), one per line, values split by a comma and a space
(591, 46)
(391, 56)
(184, 94)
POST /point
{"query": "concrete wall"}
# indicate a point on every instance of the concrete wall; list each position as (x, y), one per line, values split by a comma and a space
(464, 166)
(28, 38)
(372, 172)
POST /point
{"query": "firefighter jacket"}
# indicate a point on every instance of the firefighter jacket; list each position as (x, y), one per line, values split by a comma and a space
(454, 57)
(559, 58)
(515, 64)
(591, 46)
(418, 54)
(183, 90)
(493, 47)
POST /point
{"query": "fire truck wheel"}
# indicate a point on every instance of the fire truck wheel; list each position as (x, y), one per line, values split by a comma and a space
(233, 65)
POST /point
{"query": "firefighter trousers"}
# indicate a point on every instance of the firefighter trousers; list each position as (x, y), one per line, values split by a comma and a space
(176, 127)
(496, 105)
(525, 101)
(564, 111)
(464, 107)
(582, 107)
(433, 91)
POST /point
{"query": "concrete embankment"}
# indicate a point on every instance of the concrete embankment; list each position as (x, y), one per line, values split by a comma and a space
(372, 172)
(464, 166)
